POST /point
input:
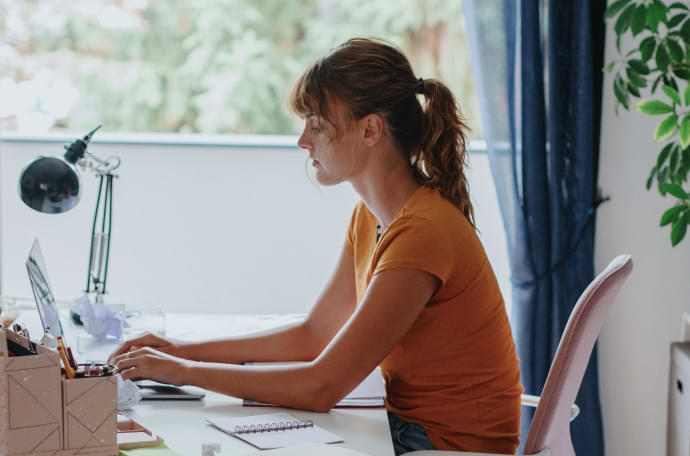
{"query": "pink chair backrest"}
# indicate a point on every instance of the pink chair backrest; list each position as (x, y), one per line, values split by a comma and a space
(551, 423)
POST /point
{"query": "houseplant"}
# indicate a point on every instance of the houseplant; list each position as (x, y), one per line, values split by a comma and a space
(656, 70)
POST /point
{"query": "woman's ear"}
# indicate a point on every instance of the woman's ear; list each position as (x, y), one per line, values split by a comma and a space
(373, 125)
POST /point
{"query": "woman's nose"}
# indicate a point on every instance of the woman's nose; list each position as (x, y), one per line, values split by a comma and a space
(303, 142)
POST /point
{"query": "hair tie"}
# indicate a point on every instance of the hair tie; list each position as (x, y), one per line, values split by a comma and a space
(419, 88)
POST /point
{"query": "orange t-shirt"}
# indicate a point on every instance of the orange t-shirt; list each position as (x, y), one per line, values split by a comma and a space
(456, 371)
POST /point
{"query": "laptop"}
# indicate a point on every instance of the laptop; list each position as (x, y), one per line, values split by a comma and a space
(45, 301)
(50, 320)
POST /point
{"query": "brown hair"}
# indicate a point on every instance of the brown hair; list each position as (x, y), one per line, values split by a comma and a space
(373, 76)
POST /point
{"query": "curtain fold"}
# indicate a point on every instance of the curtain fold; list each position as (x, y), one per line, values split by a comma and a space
(538, 67)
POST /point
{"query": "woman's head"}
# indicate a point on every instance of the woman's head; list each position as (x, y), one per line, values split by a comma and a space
(366, 76)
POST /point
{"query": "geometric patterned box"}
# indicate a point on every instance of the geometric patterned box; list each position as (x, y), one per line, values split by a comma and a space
(30, 401)
(43, 414)
(90, 415)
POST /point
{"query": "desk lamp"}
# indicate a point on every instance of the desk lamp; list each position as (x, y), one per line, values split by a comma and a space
(52, 185)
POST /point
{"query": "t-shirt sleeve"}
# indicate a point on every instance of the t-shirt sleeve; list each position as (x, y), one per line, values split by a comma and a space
(416, 243)
(351, 227)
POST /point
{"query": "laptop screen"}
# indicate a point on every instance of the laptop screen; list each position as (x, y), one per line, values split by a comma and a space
(45, 301)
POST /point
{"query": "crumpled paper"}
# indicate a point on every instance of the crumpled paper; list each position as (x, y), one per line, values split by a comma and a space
(128, 394)
(99, 321)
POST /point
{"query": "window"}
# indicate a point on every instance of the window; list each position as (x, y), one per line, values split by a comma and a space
(211, 66)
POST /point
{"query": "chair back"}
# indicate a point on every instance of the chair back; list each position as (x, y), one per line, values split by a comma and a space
(551, 423)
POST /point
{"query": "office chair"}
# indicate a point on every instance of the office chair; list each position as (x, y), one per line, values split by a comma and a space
(549, 433)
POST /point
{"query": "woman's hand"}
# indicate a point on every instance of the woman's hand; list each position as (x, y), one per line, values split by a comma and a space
(161, 344)
(152, 364)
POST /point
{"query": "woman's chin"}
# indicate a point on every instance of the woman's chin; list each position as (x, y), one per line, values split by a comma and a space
(326, 180)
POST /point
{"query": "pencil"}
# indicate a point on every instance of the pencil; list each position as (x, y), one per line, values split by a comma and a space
(69, 372)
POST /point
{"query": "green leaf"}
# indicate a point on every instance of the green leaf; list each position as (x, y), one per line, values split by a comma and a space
(677, 19)
(675, 190)
(674, 161)
(621, 92)
(608, 68)
(650, 179)
(684, 131)
(685, 31)
(678, 5)
(675, 50)
(635, 78)
(671, 215)
(633, 90)
(682, 72)
(615, 7)
(638, 20)
(663, 155)
(647, 47)
(661, 178)
(679, 228)
(662, 57)
(666, 128)
(686, 162)
(686, 95)
(672, 93)
(623, 21)
(655, 14)
(654, 107)
(639, 66)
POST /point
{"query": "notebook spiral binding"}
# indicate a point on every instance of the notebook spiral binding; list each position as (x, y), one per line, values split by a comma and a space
(270, 427)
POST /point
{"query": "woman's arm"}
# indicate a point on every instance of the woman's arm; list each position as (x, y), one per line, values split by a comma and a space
(302, 341)
(392, 303)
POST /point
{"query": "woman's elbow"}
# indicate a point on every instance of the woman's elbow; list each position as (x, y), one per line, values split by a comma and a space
(324, 397)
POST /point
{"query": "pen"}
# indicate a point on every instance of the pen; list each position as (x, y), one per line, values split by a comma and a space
(71, 358)
(69, 371)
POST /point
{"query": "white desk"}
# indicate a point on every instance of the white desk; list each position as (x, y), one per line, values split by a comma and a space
(183, 426)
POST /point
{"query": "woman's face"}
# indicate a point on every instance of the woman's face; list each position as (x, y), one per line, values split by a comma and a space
(332, 151)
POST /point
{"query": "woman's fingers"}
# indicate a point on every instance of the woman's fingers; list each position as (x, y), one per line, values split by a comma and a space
(133, 373)
(146, 340)
(135, 353)
(148, 363)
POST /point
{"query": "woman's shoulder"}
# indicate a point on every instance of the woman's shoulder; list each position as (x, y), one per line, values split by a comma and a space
(433, 210)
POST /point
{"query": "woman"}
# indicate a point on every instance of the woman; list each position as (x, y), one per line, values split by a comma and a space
(413, 290)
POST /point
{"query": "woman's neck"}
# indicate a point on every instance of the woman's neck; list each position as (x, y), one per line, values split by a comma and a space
(385, 189)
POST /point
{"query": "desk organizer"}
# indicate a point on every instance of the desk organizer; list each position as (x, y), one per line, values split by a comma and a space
(44, 414)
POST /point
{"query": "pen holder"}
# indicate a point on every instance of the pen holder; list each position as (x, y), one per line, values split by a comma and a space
(44, 414)
(31, 400)
(90, 415)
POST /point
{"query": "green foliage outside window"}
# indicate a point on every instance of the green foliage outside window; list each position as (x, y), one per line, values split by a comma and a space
(211, 66)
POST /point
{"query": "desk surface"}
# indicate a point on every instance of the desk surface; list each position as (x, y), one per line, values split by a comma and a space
(183, 426)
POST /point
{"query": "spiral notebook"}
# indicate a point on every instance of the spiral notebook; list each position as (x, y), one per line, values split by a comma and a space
(274, 430)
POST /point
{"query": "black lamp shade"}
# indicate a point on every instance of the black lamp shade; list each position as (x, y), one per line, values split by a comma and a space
(50, 185)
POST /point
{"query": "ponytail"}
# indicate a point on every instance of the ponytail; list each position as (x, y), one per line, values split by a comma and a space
(441, 158)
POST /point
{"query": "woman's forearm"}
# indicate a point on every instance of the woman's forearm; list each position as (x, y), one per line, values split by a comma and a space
(303, 386)
(293, 342)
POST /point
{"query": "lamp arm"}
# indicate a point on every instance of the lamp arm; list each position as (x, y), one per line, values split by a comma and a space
(99, 255)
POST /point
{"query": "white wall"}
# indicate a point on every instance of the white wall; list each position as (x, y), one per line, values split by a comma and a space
(634, 345)
(204, 229)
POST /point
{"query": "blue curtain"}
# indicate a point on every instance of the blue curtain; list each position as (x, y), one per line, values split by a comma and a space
(538, 67)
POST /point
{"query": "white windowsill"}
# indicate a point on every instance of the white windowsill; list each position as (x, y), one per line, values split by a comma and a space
(177, 139)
